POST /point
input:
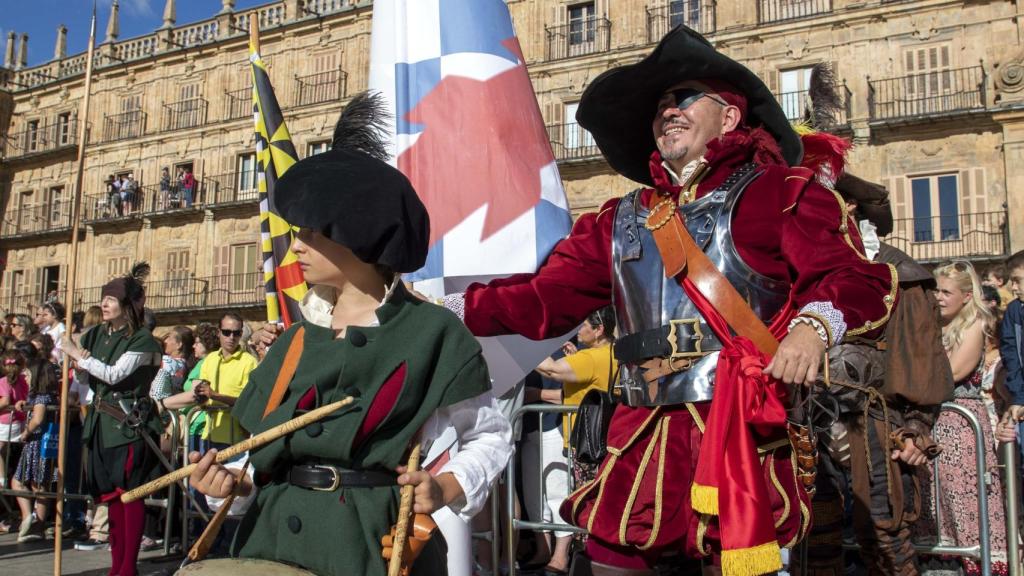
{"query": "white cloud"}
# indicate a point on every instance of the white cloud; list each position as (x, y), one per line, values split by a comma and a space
(139, 7)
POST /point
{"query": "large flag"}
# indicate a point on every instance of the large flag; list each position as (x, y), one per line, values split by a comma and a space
(469, 135)
(275, 154)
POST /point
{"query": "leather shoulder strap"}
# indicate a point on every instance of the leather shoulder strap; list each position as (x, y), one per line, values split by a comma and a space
(284, 376)
(681, 255)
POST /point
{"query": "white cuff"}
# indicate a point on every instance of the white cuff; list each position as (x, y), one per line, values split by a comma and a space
(826, 315)
(456, 303)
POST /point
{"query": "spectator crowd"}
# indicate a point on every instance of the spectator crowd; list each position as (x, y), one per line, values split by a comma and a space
(204, 369)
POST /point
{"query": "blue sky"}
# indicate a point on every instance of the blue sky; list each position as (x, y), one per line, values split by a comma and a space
(40, 18)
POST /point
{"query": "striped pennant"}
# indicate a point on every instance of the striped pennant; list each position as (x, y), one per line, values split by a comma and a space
(275, 154)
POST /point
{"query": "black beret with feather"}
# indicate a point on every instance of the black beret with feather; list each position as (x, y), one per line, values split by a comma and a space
(351, 195)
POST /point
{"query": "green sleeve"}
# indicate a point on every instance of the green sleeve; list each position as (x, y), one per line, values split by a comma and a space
(193, 375)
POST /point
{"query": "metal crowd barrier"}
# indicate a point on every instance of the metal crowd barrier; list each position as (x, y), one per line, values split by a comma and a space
(189, 512)
(1011, 467)
(513, 524)
(45, 494)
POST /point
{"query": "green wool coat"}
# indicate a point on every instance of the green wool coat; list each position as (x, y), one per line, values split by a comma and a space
(338, 533)
(107, 347)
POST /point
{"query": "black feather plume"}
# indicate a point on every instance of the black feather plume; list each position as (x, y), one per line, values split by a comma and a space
(826, 103)
(140, 271)
(362, 126)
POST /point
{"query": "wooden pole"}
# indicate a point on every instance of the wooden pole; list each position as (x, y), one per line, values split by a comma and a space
(404, 516)
(254, 32)
(69, 295)
(265, 437)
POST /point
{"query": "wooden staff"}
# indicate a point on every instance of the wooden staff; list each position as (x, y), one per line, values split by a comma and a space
(404, 516)
(230, 452)
(69, 284)
(202, 546)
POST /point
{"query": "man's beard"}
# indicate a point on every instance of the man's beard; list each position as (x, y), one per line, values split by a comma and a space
(674, 152)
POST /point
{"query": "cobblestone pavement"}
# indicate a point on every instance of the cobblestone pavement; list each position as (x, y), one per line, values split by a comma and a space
(36, 559)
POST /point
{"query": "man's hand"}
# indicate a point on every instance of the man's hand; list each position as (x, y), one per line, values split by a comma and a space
(569, 349)
(266, 335)
(1006, 431)
(210, 478)
(910, 454)
(201, 390)
(798, 356)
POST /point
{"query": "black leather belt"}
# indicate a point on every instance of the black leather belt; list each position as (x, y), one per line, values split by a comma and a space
(687, 338)
(324, 478)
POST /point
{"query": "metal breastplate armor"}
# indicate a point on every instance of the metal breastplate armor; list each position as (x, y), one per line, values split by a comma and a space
(645, 299)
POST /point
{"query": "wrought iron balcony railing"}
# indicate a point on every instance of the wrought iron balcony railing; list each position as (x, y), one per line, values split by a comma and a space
(51, 217)
(187, 292)
(697, 14)
(782, 10)
(795, 104)
(230, 188)
(956, 236)
(131, 124)
(41, 139)
(320, 87)
(238, 104)
(928, 94)
(571, 142)
(578, 38)
(184, 114)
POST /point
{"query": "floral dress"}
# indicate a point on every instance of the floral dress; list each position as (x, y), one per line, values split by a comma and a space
(957, 498)
(32, 467)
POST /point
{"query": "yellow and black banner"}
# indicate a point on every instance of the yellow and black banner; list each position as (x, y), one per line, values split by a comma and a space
(275, 154)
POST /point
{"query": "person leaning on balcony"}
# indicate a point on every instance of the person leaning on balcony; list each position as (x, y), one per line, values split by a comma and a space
(165, 188)
(188, 186)
(129, 194)
(113, 196)
(222, 378)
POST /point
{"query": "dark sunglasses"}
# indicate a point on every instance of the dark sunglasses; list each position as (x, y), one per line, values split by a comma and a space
(230, 333)
(686, 97)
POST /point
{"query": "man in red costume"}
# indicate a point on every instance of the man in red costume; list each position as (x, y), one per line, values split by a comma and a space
(699, 463)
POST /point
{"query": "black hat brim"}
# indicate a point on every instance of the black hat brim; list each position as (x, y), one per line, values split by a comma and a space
(618, 107)
(359, 202)
(872, 201)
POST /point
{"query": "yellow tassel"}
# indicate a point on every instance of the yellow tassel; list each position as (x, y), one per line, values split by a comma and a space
(704, 499)
(803, 128)
(761, 559)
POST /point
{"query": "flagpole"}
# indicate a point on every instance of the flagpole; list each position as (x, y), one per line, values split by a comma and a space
(254, 31)
(76, 209)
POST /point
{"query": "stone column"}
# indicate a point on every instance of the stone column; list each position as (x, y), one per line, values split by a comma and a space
(9, 54)
(1013, 162)
(22, 52)
(170, 15)
(60, 48)
(113, 27)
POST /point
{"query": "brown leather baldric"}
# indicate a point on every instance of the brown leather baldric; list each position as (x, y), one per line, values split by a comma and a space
(684, 259)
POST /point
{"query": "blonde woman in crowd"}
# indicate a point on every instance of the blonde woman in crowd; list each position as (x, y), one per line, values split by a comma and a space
(966, 323)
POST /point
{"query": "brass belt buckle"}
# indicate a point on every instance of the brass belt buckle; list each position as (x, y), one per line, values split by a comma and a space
(673, 339)
(335, 482)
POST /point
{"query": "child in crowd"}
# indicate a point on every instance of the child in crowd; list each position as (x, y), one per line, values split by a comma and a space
(13, 389)
(35, 472)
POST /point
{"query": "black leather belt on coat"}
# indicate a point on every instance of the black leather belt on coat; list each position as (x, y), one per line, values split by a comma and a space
(687, 338)
(324, 478)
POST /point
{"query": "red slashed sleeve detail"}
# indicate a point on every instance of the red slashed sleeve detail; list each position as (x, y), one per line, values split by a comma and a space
(381, 406)
(822, 246)
(573, 282)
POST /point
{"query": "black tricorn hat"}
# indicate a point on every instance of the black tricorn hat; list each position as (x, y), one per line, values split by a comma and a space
(618, 107)
(351, 195)
(872, 200)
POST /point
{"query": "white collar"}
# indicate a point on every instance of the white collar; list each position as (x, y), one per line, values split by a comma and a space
(317, 305)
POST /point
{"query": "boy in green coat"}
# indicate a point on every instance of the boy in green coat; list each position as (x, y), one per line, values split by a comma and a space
(329, 493)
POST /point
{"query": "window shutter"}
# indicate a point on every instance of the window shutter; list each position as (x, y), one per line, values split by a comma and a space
(63, 284)
(966, 191)
(38, 286)
(6, 303)
(773, 80)
(899, 198)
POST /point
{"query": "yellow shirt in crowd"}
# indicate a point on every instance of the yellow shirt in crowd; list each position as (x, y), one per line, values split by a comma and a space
(593, 367)
(227, 376)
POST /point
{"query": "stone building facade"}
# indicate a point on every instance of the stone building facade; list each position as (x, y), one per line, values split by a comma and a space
(933, 89)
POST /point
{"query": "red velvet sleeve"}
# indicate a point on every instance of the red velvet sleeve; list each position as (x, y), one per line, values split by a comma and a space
(574, 281)
(822, 245)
